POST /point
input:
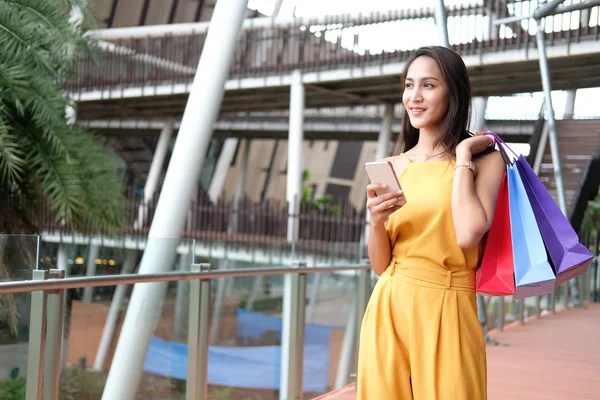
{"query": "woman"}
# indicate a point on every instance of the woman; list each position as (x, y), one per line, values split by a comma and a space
(420, 337)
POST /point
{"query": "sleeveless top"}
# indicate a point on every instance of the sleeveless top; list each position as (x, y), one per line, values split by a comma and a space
(422, 231)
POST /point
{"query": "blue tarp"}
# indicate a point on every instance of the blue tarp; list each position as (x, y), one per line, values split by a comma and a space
(255, 367)
(253, 325)
(248, 367)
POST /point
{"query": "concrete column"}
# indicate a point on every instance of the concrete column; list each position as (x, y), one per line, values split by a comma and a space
(225, 285)
(383, 145)
(238, 196)
(385, 134)
(182, 175)
(113, 313)
(295, 142)
(441, 21)
(477, 122)
(88, 292)
(61, 258)
(222, 168)
(156, 168)
(570, 104)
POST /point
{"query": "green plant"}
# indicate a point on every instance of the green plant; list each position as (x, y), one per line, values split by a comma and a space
(13, 389)
(591, 218)
(42, 155)
(266, 304)
(44, 158)
(321, 204)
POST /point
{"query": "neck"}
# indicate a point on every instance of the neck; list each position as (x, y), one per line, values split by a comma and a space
(427, 138)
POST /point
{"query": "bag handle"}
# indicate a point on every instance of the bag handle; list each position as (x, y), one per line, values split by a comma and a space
(502, 146)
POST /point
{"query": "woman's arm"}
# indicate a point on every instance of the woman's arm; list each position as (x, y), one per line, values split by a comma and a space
(474, 196)
(380, 249)
(381, 207)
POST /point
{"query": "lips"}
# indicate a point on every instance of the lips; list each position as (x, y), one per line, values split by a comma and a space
(417, 110)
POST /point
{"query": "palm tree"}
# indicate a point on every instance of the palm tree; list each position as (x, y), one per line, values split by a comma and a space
(44, 159)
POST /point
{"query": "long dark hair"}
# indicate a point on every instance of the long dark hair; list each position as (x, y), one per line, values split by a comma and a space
(457, 116)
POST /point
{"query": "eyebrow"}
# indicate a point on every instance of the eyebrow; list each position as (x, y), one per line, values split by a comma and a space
(424, 78)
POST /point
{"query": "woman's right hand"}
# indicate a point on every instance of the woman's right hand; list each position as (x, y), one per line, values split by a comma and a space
(381, 207)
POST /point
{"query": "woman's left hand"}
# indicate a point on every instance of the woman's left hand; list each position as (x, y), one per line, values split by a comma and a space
(475, 145)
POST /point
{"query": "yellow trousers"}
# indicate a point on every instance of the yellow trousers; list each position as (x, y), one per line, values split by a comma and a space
(421, 338)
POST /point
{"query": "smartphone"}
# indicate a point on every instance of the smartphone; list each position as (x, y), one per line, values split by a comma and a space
(383, 173)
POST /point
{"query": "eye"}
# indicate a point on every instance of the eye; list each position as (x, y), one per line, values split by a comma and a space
(408, 85)
(428, 85)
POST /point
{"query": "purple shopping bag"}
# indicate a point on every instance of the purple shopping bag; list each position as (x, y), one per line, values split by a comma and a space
(568, 256)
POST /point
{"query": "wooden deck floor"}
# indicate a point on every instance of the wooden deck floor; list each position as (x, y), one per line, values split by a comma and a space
(554, 357)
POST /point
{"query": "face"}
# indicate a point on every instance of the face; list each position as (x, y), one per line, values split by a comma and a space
(425, 95)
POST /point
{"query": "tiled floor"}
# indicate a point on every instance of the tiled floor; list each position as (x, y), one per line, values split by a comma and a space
(554, 357)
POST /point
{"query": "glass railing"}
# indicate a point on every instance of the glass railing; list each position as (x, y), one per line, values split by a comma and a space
(250, 317)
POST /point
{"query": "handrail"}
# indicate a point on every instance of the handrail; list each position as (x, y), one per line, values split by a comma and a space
(127, 279)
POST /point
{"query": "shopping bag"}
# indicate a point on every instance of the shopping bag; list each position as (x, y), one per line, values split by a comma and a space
(495, 275)
(569, 257)
(533, 274)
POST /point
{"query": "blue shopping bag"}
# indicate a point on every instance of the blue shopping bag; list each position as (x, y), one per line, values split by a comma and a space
(533, 273)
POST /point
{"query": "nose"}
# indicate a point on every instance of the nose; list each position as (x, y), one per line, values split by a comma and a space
(415, 95)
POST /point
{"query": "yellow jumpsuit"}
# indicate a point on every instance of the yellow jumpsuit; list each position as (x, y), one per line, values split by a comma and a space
(420, 337)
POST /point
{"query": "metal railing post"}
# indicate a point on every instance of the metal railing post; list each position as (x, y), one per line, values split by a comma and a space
(197, 373)
(501, 314)
(37, 340)
(364, 293)
(54, 339)
(521, 308)
(292, 335)
(301, 321)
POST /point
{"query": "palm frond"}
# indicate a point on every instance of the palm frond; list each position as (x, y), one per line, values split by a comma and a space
(40, 153)
(12, 159)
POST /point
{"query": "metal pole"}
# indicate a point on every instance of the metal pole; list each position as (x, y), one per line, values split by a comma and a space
(301, 318)
(313, 297)
(197, 373)
(553, 136)
(37, 340)
(552, 133)
(62, 264)
(501, 313)
(346, 361)
(181, 179)
(113, 313)
(364, 293)
(182, 297)
(295, 143)
(294, 292)
(53, 345)
(583, 6)
(218, 305)
(441, 20)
